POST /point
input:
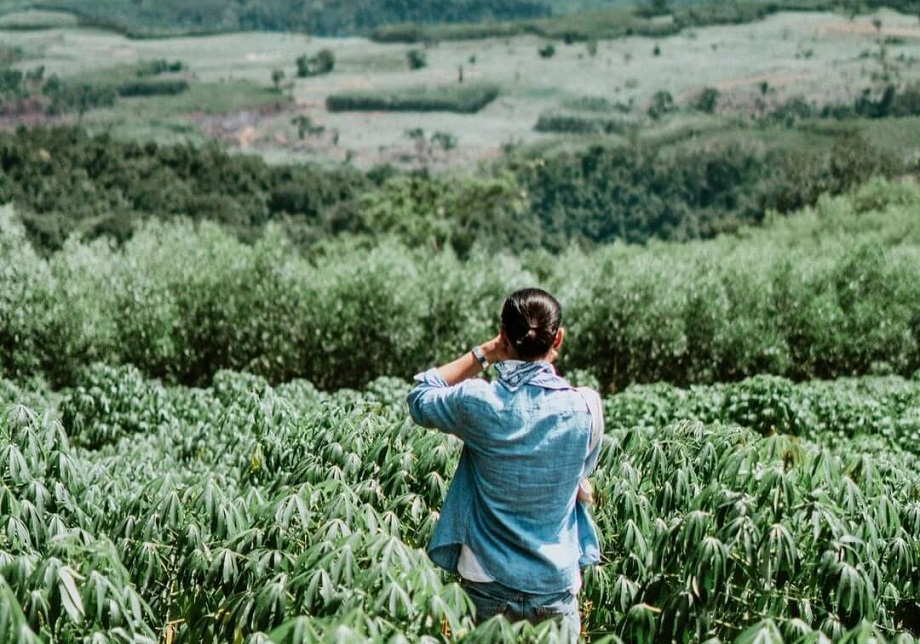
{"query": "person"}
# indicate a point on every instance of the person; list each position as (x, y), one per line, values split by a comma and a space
(514, 524)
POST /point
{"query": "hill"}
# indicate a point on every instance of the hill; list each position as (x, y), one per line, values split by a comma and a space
(170, 17)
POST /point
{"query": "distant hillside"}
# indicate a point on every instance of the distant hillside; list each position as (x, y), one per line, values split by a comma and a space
(338, 17)
(159, 18)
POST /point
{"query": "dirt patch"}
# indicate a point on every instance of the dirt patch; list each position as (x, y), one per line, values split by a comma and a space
(864, 27)
(772, 79)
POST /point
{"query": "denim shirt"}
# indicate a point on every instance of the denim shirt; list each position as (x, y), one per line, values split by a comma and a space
(513, 498)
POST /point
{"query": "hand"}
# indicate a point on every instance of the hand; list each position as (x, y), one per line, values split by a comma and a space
(496, 349)
(586, 492)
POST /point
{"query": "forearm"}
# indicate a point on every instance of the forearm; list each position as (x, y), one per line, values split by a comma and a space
(467, 366)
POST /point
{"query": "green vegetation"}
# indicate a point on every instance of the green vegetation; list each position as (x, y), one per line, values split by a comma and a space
(467, 98)
(322, 63)
(65, 183)
(416, 59)
(10, 55)
(153, 88)
(71, 184)
(183, 320)
(659, 190)
(569, 123)
(178, 17)
(599, 25)
(31, 91)
(822, 295)
(243, 510)
(33, 20)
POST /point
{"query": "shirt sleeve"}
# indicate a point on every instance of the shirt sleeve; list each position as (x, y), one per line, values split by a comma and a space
(436, 405)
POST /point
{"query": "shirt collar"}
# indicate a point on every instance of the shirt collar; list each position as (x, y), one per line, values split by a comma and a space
(514, 374)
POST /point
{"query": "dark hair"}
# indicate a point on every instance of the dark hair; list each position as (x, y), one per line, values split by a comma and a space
(531, 317)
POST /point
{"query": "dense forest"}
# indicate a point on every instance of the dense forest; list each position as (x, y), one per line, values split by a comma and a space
(65, 182)
(336, 18)
(347, 17)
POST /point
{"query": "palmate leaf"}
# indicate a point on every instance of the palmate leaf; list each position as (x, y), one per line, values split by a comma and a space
(394, 599)
(319, 589)
(711, 565)
(854, 592)
(777, 554)
(13, 625)
(623, 593)
(296, 631)
(864, 633)
(641, 624)
(900, 557)
(887, 515)
(13, 464)
(270, 603)
(763, 632)
(71, 600)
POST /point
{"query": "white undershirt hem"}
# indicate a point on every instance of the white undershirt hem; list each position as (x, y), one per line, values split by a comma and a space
(470, 569)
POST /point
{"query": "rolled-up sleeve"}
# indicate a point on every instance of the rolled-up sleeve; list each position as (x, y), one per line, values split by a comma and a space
(436, 405)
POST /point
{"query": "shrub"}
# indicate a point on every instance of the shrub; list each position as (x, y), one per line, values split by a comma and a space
(662, 103)
(416, 58)
(152, 88)
(580, 124)
(67, 97)
(159, 66)
(708, 100)
(467, 98)
(322, 63)
(547, 51)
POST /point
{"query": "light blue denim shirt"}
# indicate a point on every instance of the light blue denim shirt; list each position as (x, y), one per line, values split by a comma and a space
(513, 498)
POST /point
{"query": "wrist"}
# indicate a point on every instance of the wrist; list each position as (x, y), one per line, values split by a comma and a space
(480, 356)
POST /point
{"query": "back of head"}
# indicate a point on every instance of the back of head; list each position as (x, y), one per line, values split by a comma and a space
(531, 318)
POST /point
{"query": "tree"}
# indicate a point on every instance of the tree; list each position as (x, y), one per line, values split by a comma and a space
(547, 51)
(444, 140)
(662, 103)
(417, 135)
(277, 77)
(305, 127)
(416, 59)
(707, 100)
(322, 63)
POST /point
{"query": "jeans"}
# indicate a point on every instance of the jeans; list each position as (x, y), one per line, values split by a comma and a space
(493, 599)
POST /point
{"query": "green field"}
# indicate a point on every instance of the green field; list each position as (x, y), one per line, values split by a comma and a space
(217, 279)
(285, 514)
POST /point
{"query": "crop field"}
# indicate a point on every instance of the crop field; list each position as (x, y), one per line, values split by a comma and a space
(224, 256)
(823, 57)
(764, 511)
(765, 503)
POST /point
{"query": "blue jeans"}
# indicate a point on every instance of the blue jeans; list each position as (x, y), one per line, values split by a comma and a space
(493, 599)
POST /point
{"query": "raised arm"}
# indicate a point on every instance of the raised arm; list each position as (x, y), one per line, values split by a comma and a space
(436, 401)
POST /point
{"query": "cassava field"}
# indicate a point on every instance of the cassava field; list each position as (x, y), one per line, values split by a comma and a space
(224, 252)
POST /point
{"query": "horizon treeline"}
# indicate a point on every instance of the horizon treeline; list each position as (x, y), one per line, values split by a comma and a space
(67, 183)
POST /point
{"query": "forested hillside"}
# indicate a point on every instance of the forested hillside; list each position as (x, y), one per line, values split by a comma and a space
(66, 183)
(348, 17)
(333, 18)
